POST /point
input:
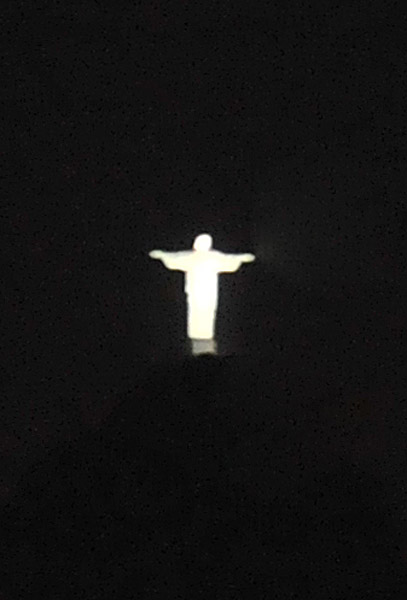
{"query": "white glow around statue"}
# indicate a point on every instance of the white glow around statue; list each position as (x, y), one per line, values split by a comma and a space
(201, 266)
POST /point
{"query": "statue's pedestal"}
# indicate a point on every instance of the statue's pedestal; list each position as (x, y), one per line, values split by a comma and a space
(203, 347)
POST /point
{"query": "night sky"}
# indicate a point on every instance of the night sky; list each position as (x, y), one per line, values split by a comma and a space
(278, 129)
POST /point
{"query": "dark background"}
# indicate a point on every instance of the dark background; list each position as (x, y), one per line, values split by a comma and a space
(278, 129)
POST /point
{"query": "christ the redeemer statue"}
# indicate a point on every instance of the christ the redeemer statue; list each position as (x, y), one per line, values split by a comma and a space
(201, 266)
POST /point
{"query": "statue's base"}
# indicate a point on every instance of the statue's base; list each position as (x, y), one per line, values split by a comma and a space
(203, 347)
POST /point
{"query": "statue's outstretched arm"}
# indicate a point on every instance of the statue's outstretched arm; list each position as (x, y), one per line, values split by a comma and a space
(247, 258)
(176, 261)
(231, 262)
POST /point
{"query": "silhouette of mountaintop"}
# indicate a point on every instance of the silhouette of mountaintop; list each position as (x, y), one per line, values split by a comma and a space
(212, 476)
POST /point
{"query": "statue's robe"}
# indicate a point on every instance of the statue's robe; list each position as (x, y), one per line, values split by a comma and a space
(201, 285)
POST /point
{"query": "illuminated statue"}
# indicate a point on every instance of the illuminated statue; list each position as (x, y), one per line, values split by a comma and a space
(201, 266)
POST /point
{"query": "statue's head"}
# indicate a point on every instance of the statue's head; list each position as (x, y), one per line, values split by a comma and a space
(203, 242)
